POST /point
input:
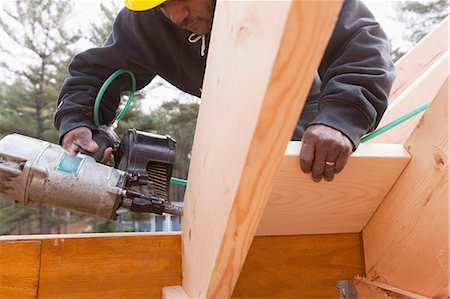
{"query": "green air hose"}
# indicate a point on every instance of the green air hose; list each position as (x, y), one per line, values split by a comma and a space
(395, 122)
(119, 72)
(99, 97)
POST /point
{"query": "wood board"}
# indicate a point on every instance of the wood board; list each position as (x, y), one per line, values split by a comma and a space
(406, 241)
(421, 91)
(244, 124)
(19, 268)
(100, 266)
(298, 205)
(299, 267)
(128, 265)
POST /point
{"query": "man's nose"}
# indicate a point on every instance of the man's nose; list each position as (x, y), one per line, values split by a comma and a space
(177, 12)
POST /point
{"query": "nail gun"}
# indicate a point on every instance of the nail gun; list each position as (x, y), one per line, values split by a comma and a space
(35, 172)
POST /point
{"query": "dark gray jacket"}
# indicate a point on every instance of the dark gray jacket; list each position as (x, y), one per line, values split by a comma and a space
(349, 93)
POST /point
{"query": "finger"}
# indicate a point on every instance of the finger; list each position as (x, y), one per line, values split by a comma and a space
(106, 155)
(85, 142)
(307, 156)
(72, 148)
(329, 170)
(341, 161)
(319, 162)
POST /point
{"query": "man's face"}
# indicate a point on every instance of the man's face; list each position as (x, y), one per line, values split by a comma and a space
(193, 15)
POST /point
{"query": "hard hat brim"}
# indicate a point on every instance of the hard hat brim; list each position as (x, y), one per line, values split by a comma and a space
(141, 5)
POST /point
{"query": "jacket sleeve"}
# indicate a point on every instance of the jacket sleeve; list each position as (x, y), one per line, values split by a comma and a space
(88, 70)
(356, 72)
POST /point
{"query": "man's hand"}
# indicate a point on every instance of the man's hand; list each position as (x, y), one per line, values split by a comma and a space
(82, 138)
(324, 152)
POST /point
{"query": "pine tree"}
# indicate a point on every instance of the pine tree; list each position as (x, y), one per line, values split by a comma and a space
(38, 27)
(419, 17)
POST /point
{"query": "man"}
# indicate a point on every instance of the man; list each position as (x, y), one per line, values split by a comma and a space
(169, 38)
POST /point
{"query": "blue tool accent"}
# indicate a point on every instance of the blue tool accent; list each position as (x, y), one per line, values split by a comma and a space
(69, 164)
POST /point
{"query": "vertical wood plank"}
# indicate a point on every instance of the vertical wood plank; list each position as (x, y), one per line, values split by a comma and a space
(257, 78)
(406, 242)
(19, 269)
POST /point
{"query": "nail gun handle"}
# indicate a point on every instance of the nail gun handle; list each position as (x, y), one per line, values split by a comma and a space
(105, 137)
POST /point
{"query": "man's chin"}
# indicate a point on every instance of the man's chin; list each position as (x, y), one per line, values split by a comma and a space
(201, 30)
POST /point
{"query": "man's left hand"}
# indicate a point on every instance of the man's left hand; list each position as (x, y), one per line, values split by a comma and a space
(324, 152)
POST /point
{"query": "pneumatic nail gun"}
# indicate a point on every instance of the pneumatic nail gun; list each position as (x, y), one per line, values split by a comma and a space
(34, 173)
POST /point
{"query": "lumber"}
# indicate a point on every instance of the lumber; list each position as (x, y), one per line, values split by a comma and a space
(19, 276)
(298, 205)
(245, 121)
(366, 289)
(131, 265)
(421, 91)
(305, 266)
(406, 241)
(411, 65)
(174, 292)
(275, 265)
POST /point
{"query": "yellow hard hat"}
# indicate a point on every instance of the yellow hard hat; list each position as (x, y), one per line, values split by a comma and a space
(140, 5)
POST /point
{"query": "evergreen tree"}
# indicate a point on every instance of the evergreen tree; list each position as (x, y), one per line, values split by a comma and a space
(419, 17)
(100, 30)
(39, 28)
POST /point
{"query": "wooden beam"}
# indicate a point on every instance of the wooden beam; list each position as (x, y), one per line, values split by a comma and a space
(368, 289)
(174, 292)
(421, 91)
(130, 265)
(245, 121)
(100, 266)
(298, 205)
(406, 243)
(299, 266)
(418, 59)
(19, 269)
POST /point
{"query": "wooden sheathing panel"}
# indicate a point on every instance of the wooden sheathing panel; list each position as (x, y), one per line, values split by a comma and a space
(298, 205)
(421, 91)
(257, 78)
(299, 266)
(406, 243)
(133, 265)
(411, 65)
(19, 269)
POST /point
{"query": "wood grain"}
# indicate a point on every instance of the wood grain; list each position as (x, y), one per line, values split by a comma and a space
(298, 205)
(257, 78)
(371, 289)
(19, 269)
(419, 92)
(299, 266)
(406, 241)
(174, 292)
(127, 265)
(414, 63)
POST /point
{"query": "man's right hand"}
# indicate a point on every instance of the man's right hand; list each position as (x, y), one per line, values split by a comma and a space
(82, 138)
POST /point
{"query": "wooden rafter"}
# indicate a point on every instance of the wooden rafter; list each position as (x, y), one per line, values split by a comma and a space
(245, 121)
(406, 243)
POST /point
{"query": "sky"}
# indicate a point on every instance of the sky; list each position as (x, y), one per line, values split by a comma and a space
(86, 11)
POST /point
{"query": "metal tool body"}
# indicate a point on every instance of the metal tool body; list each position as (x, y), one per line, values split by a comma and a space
(34, 173)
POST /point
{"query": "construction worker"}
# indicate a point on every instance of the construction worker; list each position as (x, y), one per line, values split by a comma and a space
(170, 38)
